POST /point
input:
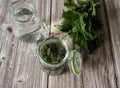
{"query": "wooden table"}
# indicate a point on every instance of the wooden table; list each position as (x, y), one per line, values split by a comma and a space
(19, 67)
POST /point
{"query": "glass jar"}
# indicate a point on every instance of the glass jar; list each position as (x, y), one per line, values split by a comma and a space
(54, 65)
(26, 25)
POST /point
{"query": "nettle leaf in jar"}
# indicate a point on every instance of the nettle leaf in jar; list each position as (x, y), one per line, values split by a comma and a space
(53, 52)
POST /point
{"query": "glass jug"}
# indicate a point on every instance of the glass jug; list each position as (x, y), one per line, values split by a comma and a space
(54, 54)
(26, 25)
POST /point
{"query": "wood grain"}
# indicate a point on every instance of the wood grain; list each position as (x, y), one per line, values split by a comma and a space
(113, 17)
(98, 70)
(19, 64)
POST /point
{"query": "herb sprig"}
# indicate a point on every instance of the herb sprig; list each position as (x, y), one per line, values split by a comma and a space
(80, 21)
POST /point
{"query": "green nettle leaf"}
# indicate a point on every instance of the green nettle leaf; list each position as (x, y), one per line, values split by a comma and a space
(76, 26)
(83, 44)
(65, 26)
(70, 4)
(89, 26)
(58, 27)
(84, 3)
(93, 11)
(70, 15)
(74, 29)
(79, 22)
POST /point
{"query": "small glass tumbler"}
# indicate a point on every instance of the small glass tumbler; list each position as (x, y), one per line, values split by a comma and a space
(26, 26)
(55, 65)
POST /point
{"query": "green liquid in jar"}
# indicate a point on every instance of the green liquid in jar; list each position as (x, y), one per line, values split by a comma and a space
(53, 52)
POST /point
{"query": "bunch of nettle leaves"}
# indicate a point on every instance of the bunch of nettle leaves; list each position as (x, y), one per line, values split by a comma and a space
(80, 22)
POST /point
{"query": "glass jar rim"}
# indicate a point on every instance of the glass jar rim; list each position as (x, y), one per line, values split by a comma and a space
(21, 3)
(56, 64)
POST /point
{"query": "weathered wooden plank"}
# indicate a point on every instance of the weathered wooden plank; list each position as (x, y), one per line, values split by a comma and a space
(56, 11)
(98, 69)
(19, 66)
(6, 47)
(3, 6)
(61, 81)
(113, 16)
(28, 73)
(101, 66)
